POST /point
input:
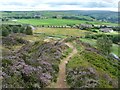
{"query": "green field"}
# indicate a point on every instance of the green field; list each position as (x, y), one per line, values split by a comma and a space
(61, 31)
(60, 22)
(10, 22)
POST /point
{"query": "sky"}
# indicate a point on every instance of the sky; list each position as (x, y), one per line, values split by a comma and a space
(33, 5)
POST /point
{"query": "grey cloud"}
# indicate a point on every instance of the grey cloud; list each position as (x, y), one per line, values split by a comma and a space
(14, 3)
(98, 5)
(58, 4)
(82, 4)
(64, 3)
(21, 2)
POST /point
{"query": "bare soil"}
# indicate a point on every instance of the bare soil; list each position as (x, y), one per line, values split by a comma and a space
(61, 80)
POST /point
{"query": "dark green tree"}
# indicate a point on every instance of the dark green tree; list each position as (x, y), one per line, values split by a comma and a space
(15, 29)
(29, 31)
(104, 44)
(5, 31)
(22, 29)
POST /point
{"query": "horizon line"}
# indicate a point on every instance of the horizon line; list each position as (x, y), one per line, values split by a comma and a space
(61, 10)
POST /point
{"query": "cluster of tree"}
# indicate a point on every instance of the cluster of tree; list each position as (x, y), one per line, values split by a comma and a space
(7, 29)
(104, 44)
(54, 16)
(75, 18)
(5, 19)
(114, 38)
(19, 17)
(116, 28)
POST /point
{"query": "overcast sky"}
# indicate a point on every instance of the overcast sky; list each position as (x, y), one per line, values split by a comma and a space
(23, 5)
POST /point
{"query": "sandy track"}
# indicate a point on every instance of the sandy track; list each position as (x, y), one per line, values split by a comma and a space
(61, 80)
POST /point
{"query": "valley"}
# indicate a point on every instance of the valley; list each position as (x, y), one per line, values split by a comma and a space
(62, 49)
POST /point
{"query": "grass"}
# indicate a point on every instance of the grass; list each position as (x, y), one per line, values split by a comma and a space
(61, 31)
(115, 49)
(10, 22)
(90, 41)
(66, 52)
(60, 22)
(112, 33)
(33, 38)
(77, 61)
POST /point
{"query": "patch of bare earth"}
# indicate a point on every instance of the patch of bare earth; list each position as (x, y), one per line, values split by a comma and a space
(61, 81)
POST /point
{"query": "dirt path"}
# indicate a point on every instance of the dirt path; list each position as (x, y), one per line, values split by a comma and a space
(61, 81)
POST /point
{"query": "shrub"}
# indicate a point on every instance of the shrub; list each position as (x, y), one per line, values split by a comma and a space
(6, 62)
(15, 29)
(29, 30)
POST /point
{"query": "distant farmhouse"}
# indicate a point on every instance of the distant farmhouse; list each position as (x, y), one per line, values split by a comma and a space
(106, 30)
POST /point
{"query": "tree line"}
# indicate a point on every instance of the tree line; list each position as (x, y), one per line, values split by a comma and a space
(114, 38)
(8, 29)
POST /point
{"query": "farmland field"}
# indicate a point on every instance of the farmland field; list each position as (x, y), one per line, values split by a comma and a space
(61, 31)
(60, 22)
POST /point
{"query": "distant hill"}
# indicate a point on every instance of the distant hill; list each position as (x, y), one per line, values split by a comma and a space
(107, 16)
